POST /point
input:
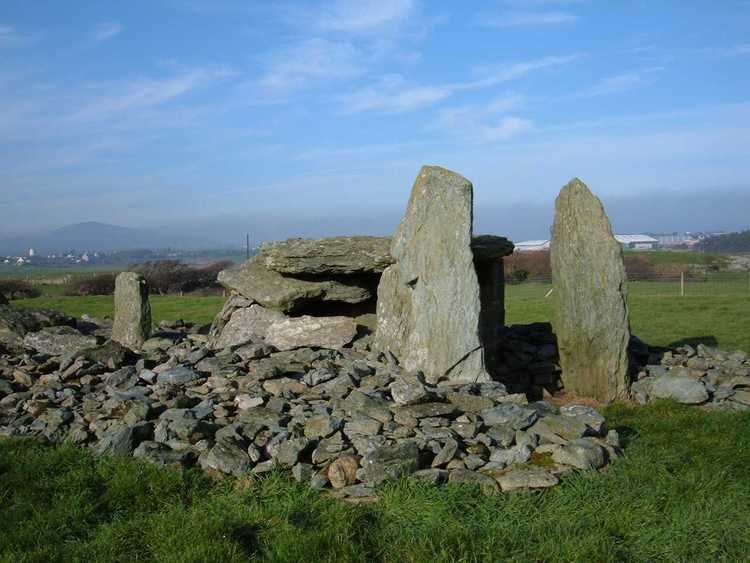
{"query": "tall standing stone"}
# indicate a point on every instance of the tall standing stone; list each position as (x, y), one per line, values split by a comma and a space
(429, 300)
(132, 325)
(591, 313)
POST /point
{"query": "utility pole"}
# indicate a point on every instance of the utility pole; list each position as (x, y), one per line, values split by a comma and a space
(247, 246)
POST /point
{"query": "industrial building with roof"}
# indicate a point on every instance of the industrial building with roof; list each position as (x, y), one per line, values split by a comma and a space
(628, 242)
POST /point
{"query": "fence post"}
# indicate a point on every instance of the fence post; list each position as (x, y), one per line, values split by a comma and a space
(682, 284)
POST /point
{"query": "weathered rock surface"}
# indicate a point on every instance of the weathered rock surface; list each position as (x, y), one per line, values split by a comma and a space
(591, 314)
(248, 324)
(59, 340)
(328, 256)
(311, 332)
(681, 389)
(15, 323)
(282, 293)
(429, 301)
(132, 325)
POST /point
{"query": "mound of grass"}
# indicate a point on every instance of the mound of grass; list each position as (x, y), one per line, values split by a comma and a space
(680, 494)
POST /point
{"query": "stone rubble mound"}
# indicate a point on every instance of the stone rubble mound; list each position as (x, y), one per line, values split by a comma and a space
(699, 375)
(345, 419)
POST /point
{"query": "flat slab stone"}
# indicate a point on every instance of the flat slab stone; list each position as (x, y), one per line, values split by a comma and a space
(330, 256)
(429, 300)
(58, 340)
(311, 332)
(282, 293)
(591, 313)
(682, 389)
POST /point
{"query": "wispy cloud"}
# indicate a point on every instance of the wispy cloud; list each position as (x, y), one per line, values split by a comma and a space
(115, 98)
(10, 36)
(105, 30)
(486, 123)
(362, 15)
(614, 85)
(313, 59)
(529, 19)
(393, 94)
(739, 50)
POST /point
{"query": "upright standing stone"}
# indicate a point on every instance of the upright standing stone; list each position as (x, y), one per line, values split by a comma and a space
(132, 325)
(591, 314)
(429, 300)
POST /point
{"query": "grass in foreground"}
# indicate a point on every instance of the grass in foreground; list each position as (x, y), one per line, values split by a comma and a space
(681, 493)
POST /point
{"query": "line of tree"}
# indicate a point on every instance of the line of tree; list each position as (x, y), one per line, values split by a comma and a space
(163, 277)
(730, 243)
(536, 266)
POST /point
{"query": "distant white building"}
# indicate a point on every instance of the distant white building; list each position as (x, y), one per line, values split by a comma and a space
(630, 242)
(531, 245)
(31, 252)
(637, 242)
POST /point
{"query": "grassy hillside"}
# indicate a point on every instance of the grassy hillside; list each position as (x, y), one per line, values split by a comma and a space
(680, 494)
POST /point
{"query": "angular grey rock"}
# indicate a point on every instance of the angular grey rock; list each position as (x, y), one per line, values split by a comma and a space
(408, 390)
(331, 256)
(583, 453)
(588, 415)
(488, 485)
(178, 376)
(510, 414)
(556, 429)
(274, 291)
(390, 462)
(591, 313)
(429, 300)
(58, 340)
(15, 323)
(248, 324)
(447, 453)
(526, 477)
(132, 325)
(682, 389)
(228, 457)
(311, 332)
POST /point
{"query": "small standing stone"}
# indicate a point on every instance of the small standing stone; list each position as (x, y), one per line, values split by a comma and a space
(132, 325)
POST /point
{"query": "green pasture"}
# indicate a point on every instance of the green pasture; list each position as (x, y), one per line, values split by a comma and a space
(715, 312)
(681, 493)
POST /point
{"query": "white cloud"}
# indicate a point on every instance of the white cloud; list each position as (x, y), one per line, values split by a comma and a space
(739, 50)
(530, 19)
(394, 95)
(105, 30)
(358, 16)
(485, 123)
(614, 85)
(313, 59)
(114, 98)
(9, 36)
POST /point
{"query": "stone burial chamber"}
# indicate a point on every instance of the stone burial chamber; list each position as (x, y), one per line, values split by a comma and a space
(295, 293)
(437, 291)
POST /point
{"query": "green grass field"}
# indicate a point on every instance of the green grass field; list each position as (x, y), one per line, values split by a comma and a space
(681, 493)
(716, 312)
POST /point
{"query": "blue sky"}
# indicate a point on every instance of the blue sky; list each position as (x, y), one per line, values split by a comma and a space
(297, 118)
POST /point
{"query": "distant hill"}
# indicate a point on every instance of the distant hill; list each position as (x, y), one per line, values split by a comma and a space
(89, 236)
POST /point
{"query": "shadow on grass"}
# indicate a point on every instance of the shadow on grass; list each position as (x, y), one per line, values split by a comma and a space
(694, 341)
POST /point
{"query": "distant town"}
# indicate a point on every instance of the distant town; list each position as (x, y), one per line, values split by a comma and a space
(123, 257)
(650, 241)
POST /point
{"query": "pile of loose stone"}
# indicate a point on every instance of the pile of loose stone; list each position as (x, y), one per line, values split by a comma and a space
(344, 419)
(698, 375)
